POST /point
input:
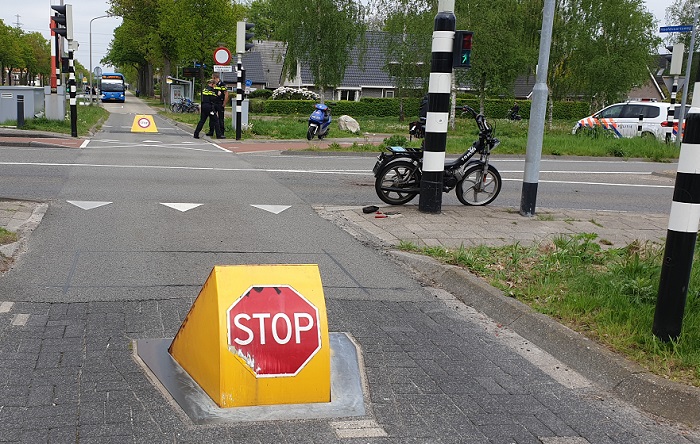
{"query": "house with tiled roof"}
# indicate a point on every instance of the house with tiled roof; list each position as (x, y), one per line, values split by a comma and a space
(364, 77)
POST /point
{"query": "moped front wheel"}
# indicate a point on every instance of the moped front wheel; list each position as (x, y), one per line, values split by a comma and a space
(478, 188)
(311, 132)
(398, 182)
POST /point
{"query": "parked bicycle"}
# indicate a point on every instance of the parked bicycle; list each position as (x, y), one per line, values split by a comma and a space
(398, 172)
(184, 105)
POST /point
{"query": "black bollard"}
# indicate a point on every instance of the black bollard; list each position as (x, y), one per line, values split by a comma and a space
(20, 111)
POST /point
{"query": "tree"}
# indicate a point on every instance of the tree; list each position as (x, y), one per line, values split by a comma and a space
(408, 46)
(319, 33)
(604, 49)
(260, 13)
(36, 56)
(502, 50)
(681, 12)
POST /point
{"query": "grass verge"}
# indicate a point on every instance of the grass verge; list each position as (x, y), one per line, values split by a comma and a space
(558, 139)
(88, 118)
(608, 295)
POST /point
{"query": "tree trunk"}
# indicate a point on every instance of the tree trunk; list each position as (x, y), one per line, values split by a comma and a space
(164, 85)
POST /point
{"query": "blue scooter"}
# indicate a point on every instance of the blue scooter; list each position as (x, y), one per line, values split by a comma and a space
(319, 122)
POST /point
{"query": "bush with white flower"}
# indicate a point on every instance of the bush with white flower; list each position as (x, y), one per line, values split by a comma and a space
(285, 93)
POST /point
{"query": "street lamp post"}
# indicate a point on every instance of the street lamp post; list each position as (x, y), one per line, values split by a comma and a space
(99, 17)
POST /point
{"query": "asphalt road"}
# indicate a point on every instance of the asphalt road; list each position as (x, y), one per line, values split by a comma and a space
(583, 184)
(135, 223)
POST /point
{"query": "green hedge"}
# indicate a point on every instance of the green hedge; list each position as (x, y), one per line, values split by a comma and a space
(493, 108)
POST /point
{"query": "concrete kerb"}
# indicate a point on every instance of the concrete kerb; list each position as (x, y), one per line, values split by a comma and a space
(624, 379)
(23, 227)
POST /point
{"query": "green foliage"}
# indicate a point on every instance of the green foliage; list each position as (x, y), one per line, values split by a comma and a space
(260, 94)
(607, 294)
(320, 34)
(28, 52)
(494, 109)
(595, 38)
(88, 118)
(502, 47)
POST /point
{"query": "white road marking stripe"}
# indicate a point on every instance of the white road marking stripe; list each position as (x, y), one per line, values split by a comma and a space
(85, 143)
(598, 183)
(6, 306)
(299, 171)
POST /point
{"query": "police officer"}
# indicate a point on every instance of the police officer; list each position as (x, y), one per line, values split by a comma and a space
(222, 100)
(208, 111)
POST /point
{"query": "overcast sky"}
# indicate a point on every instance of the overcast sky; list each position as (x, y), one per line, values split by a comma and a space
(33, 15)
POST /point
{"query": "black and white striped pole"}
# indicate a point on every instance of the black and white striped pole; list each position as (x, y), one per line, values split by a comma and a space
(439, 89)
(72, 46)
(239, 96)
(682, 231)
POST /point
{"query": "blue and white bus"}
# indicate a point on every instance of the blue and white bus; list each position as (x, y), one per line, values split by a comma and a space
(112, 87)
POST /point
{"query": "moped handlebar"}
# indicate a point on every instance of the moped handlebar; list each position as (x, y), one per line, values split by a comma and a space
(480, 119)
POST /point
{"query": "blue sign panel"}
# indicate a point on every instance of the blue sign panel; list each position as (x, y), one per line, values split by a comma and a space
(681, 28)
(248, 82)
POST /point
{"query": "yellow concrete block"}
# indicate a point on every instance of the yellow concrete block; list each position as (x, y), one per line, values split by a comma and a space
(143, 123)
(258, 335)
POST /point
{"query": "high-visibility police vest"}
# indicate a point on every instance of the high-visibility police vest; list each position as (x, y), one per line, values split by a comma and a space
(208, 95)
(220, 89)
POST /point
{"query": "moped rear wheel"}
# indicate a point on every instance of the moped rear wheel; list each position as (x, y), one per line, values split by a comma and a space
(398, 182)
(477, 188)
(311, 132)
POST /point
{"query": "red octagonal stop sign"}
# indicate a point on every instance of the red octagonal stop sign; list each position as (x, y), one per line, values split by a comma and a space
(274, 330)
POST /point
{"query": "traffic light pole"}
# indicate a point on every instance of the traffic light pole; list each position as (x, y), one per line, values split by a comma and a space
(439, 89)
(72, 87)
(239, 95)
(535, 134)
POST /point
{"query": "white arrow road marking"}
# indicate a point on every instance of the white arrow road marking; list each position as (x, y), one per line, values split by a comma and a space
(276, 209)
(86, 204)
(181, 206)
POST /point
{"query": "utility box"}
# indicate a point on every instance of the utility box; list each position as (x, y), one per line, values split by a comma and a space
(33, 102)
(244, 114)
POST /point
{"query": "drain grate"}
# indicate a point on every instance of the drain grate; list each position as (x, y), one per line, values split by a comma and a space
(358, 429)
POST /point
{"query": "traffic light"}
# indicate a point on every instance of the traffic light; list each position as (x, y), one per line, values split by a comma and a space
(244, 38)
(462, 49)
(63, 19)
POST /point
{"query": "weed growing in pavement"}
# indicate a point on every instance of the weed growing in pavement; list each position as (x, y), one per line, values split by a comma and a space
(608, 295)
(7, 237)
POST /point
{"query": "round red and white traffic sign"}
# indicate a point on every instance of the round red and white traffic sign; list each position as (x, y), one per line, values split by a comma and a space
(274, 330)
(144, 122)
(222, 56)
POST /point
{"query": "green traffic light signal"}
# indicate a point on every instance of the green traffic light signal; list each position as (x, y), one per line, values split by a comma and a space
(462, 49)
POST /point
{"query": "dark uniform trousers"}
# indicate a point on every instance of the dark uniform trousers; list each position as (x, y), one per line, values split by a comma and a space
(219, 106)
(208, 112)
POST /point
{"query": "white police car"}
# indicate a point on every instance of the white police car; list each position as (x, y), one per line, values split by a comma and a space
(622, 119)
